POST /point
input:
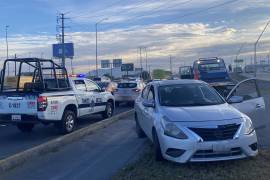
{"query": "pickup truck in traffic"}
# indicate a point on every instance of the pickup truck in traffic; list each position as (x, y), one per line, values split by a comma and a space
(48, 95)
(210, 70)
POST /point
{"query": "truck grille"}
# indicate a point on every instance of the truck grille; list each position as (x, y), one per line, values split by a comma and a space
(222, 132)
(211, 154)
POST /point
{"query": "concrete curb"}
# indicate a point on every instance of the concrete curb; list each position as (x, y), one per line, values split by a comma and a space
(53, 145)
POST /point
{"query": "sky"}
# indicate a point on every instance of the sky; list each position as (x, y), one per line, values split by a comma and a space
(185, 29)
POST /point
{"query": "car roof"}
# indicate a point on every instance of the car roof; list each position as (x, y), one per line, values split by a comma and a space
(178, 81)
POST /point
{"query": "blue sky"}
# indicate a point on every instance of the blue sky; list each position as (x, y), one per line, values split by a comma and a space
(185, 29)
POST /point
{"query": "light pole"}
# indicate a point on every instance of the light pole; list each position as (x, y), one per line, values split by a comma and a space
(255, 48)
(96, 25)
(7, 45)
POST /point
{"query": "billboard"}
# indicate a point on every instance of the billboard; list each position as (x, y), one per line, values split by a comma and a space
(69, 50)
(127, 67)
(105, 63)
(117, 63)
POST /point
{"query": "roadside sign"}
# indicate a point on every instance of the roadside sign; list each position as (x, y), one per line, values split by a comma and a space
(127, 67)
(69, 50)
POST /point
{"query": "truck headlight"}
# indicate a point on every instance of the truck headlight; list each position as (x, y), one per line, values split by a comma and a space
(170, 129)
(249, 128)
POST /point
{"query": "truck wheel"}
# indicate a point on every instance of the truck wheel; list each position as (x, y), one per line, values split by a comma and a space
(108, 111)
(25, 127)
(67, 123)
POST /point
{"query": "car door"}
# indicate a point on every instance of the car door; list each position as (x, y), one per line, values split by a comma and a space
(140, 108)
(252, 103)
(82, 96)
(98, 99)
(149, 112)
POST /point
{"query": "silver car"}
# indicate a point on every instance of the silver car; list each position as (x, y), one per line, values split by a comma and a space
(127, 91)
(187, 120)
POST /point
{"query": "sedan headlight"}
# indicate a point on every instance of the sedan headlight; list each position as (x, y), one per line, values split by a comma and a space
(248, 126)
(170, 129)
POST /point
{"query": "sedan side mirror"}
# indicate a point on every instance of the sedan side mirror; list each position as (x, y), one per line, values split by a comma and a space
(235, 99)
(147, 103)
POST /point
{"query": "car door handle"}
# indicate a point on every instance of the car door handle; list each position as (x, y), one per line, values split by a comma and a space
(258, 106)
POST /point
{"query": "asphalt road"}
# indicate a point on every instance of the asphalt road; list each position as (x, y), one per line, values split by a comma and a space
(13, 141)
(97, 156)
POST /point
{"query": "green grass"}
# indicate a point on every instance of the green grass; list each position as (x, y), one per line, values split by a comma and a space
(147, 168)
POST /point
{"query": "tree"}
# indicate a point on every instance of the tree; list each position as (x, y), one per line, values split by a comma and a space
(160, 74)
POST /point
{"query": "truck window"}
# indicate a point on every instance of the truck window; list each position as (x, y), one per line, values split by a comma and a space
(80, 85)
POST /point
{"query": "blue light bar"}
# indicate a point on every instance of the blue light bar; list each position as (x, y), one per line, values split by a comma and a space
(80, 75)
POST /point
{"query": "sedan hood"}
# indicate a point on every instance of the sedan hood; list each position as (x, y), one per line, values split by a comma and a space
(201, 113)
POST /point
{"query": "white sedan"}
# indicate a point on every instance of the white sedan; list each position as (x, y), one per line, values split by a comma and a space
(187, 120)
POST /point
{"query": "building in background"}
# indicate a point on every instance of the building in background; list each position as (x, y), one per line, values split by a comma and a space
(105, 64)
(117, 63)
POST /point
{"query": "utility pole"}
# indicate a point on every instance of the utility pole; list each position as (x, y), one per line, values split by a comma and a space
(146, 58)
(255, 48)
(96, 26)
(7, 46)
(62, 17)
(171, 64)
(141, 59)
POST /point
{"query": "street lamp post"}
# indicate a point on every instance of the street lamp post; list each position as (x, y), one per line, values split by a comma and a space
(96, 25)
(255, 48)
(7, 45)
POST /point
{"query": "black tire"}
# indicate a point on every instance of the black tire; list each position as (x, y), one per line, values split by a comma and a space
(140, 133)
(117, 104)
(25, 127)
(157, 150)
(108, 111)
(68, 122)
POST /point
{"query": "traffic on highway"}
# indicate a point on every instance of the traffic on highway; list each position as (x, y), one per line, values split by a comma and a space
(128, 90)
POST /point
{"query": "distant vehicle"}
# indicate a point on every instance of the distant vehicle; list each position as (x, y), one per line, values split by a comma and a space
(107, 86)
(49, 96)
(127, 92)
(186, 72)
(249, 69)
(187, 120)
(238, 70)
(210, 70)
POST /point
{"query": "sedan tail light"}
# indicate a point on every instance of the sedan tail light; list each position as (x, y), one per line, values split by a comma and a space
(42, 103)
(136, 90)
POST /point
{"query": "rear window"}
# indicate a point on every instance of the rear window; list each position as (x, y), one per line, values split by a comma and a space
(211, 66)
(127, 85)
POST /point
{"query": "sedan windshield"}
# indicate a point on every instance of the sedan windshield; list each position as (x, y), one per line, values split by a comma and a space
(181, 95)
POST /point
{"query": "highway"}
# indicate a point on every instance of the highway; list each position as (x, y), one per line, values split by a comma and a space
(13, 141)
(99, 155)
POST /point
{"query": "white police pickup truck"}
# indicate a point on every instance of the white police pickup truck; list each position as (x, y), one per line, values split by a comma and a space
(48, 95)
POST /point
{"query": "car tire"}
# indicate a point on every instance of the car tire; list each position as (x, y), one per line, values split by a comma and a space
(23, 127)
(108, 111)
(157, 149)
(140, 133)
(67, 124)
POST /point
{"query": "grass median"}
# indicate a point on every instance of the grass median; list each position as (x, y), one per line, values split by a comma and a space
(147, 168)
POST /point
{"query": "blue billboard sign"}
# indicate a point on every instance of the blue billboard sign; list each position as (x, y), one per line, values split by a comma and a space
(69, 50)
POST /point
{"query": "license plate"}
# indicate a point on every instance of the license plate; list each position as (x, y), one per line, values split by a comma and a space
(14, 105)
(16, 118)
(220, 148)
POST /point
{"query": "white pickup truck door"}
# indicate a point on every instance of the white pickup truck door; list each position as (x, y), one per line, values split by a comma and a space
(99, 101)
(253, 103)
(83, 98)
